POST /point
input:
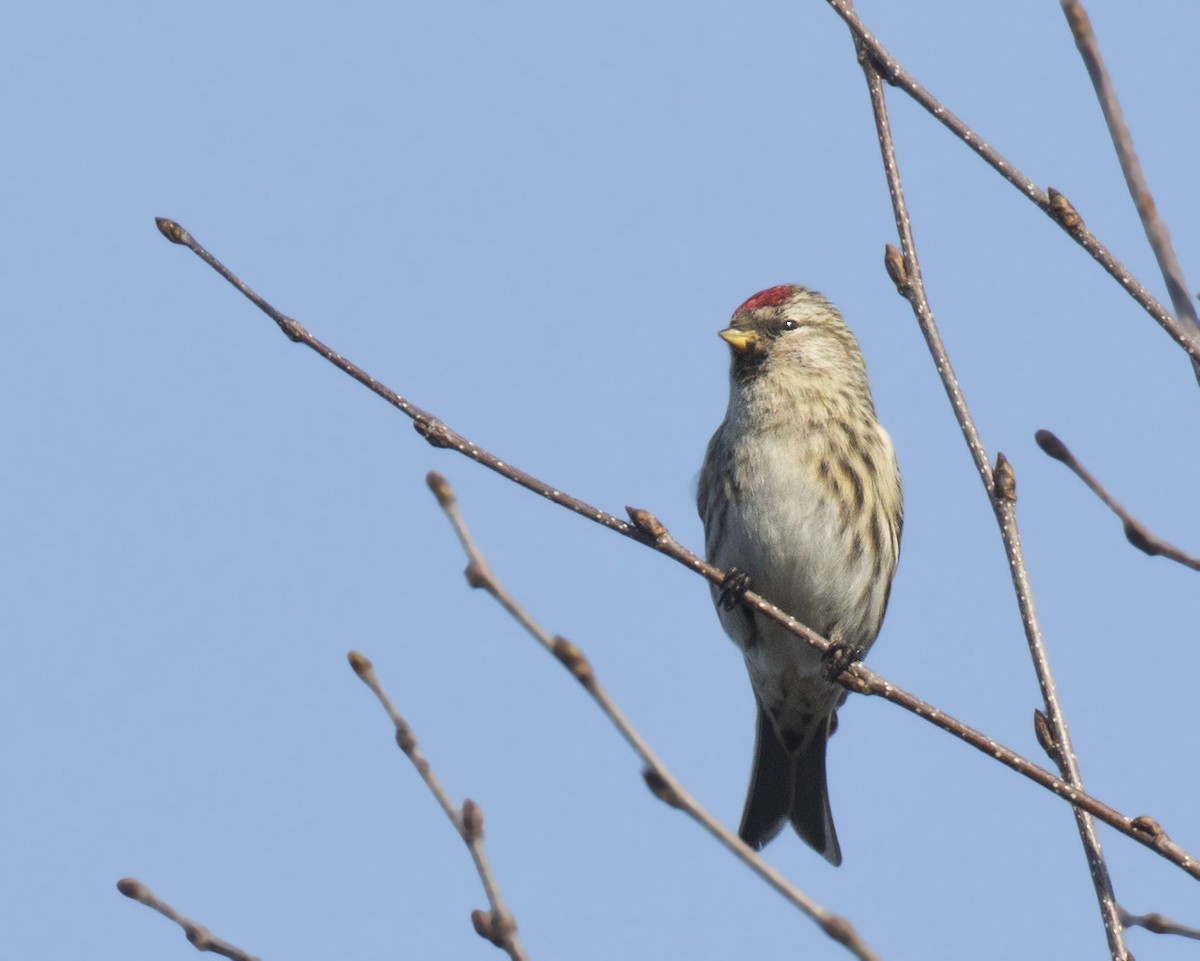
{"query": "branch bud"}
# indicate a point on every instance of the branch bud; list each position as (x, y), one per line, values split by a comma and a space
(647, 523)
(1051, 446)
(441, 489)
(482, 920)
(172, 231)
(434, 431)
(1062, 211)
(360, 664)
(1137, 537)
(1045, 737)
(838, 928)
(404, 737)
(133, 888)
(573, 660)
(1004, 479)
(472, 820)
(477, 576)
(660, 788)
(1148, 825)
(893, 263)
(493, 927)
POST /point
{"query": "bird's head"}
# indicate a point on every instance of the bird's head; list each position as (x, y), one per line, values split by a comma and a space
(793, 331)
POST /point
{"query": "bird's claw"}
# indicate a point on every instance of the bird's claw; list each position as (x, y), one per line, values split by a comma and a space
(733, 588)
(839, 657)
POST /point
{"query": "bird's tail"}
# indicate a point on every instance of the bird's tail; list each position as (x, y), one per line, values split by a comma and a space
(809, 813)
(789, 786)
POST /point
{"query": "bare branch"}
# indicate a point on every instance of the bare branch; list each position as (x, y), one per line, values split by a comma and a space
(1001, 489)
(1158, 924)
(1063, 753)
(496, 925)
(1131, 167)
(1135, 532)
(427, 425)
(1060, 211)
(659, 779)
(647, 530)
(201, 938)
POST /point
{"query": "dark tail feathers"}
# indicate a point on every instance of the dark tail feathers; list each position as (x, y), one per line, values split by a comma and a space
(785, 786)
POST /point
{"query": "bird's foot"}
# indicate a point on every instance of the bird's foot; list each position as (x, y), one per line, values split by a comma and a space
(733, 588)
(840, 656)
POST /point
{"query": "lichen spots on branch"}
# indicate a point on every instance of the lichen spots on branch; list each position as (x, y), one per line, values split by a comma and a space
(771, 297)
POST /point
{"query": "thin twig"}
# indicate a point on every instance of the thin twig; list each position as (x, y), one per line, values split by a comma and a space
(498, 924)
(647, 530)
(1135, 531)
(660, 780)
(1000, 487)
(1050, 202)
(1063, 753)
(201, 938)
(1131, 167)
(427, 425)
(1158, 924)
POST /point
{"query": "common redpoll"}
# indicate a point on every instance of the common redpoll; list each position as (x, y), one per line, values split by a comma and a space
(800, 492)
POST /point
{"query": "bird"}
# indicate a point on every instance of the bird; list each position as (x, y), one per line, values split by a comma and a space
(800, 496)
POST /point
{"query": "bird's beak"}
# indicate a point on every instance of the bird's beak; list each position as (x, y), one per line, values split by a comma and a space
(739, 340)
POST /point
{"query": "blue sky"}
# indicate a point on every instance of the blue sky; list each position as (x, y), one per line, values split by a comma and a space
(532, 219)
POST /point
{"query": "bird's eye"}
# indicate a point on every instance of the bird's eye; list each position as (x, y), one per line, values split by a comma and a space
(791, 324)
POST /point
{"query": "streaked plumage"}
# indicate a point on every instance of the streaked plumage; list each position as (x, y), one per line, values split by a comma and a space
(799, 490)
